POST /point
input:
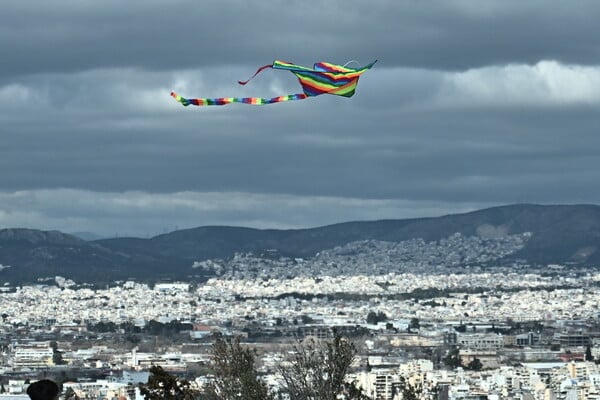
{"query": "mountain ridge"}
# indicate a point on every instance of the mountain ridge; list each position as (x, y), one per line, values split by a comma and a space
(560, 234)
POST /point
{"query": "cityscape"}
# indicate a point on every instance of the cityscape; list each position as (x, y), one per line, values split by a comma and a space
(437, 315)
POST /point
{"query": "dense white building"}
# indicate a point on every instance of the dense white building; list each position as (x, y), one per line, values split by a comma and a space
(33, 355)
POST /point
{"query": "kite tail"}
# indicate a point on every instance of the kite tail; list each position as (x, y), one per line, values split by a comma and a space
(258, 71)
(220, 101)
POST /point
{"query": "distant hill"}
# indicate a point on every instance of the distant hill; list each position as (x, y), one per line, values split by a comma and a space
(561, 234)
(28, 254)
(88, 236)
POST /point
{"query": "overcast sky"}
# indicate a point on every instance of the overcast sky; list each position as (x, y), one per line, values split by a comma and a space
(472, 104)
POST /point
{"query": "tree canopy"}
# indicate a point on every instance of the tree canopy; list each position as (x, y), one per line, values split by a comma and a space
(235, 374)
(318, 370)
(164, 386)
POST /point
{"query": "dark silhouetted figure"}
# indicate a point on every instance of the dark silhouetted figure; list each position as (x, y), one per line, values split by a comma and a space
(43, 390)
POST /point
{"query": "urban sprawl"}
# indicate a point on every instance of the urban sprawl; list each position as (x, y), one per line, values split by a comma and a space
(442, 315)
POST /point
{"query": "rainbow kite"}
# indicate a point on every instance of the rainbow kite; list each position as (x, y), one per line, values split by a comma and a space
(323, 78)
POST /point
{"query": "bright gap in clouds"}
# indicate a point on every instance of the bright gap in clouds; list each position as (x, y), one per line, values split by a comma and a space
(146, 214)
(545, 83)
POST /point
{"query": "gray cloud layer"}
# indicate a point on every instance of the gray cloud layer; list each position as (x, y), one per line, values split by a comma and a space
(472, 103)
(67, 35)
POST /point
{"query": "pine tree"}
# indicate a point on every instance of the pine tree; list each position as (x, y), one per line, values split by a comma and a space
(410, 392)
(164, 386)
(452, 359)
(475, 365)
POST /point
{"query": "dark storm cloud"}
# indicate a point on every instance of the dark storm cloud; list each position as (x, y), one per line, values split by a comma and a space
(38, 36)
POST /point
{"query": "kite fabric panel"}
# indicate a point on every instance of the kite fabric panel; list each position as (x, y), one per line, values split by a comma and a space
(323, 78)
